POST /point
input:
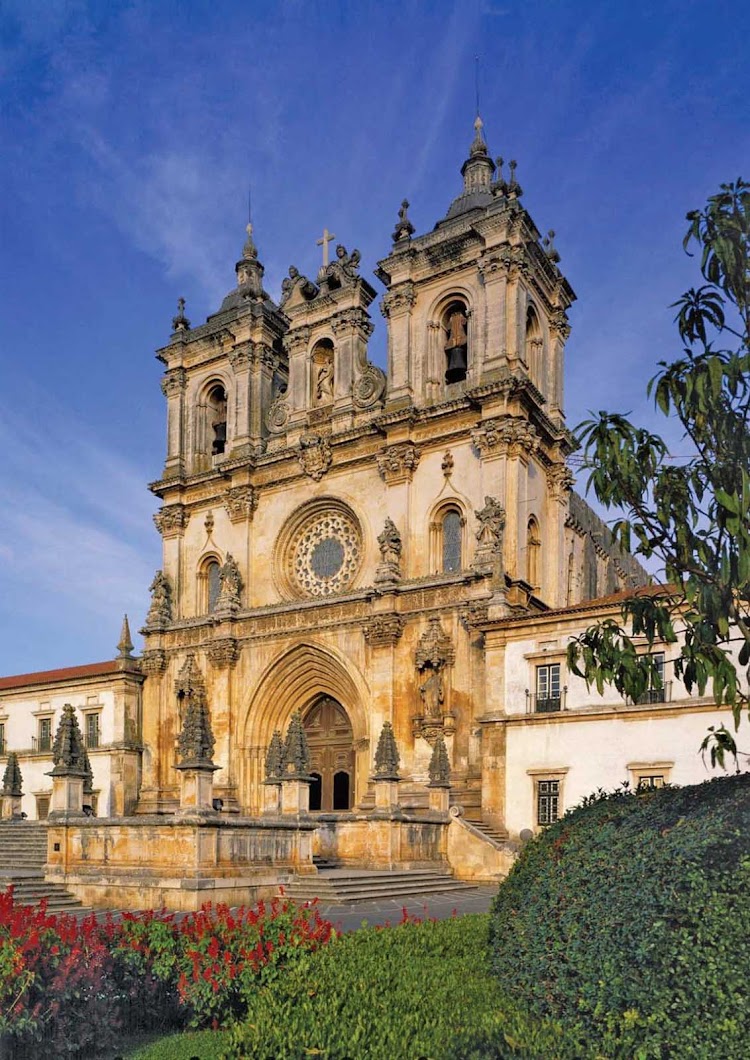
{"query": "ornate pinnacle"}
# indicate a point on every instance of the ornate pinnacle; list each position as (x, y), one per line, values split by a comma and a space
(196, 740)
(68, 752)
(404, 228)
(180, 322)
(12, 780)
(125, 646)
(274, 759)
(295, 762)
(387, 758)
(440, 767)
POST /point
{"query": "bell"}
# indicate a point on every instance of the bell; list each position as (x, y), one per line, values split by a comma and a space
(456, 364)
(220, 438)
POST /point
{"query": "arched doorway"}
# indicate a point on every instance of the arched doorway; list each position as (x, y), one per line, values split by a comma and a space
(329, 734)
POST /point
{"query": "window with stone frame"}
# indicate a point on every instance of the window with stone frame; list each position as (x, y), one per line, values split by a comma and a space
(533, 553)
(645, 776)
(92, 733)
(42, 806)
(209, 585)
(548, 699)
(44, 734)
(2, 737)
(547, 801)
(452, 533)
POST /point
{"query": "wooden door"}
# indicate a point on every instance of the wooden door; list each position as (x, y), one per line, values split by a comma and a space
(329, 734)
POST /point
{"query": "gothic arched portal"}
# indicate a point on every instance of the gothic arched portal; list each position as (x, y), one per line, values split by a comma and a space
(329, 734)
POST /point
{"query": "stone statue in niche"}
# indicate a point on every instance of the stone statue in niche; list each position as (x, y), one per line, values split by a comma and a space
(456, 344)
(230, 583)
(324, 383)
(433, 696)
(391, 546)
(160, 611)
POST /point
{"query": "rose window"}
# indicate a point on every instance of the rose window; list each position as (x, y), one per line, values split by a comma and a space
(325, 553)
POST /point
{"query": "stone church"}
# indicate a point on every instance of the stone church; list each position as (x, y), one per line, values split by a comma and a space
(335, 535)
(356, 550)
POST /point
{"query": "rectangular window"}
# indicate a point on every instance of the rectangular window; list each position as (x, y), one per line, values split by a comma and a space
(647, 781)
(547, 799)
(42, 807)
(548, 688)
(92, 730)
(656, 695)
(44, 742)
(2, 737)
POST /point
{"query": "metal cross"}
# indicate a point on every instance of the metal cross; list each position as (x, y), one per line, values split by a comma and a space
(328, 237)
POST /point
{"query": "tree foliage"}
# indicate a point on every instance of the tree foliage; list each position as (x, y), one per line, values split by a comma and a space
(692, 516)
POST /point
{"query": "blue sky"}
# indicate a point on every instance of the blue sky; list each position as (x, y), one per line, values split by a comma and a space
(130, 131)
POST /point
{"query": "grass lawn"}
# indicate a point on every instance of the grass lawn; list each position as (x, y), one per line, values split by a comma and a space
(207, 1045)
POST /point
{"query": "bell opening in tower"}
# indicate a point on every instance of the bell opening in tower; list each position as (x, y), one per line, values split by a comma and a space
(455, 324)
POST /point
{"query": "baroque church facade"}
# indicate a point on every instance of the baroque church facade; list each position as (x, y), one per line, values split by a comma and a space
(335, 536)
(356, 552)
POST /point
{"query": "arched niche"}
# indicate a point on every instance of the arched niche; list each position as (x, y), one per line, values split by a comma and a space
(454, 322)
(322, 373)
(534, 346)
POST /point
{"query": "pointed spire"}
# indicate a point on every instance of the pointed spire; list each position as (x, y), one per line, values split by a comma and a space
(274, 759)
(387, 759)
(249, 269)
(12, 781)
(296, 756)
(196, 740)
(478, 146)
(125, 645)
(68, 752)
(439, 767)
(477, 171)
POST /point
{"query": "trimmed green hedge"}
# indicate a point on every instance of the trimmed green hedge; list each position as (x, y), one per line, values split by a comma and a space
(629, 921)
(417, 990)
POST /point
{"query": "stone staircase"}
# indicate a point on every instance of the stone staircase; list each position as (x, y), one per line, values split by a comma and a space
(489, 831)
(23, 852)
(339, 886)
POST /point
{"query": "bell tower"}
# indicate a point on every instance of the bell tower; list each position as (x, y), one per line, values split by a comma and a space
(476, 299)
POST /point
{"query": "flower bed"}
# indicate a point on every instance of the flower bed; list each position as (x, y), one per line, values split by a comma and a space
(72, 987)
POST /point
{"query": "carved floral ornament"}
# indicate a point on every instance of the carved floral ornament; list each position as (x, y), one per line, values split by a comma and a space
(384, 630)
(277, 416)
(171, 520)
(396, 463)
(223, 652)
(435, 648)
(174, 382)
(560, 480)
(153, 661)
(506, 435)
(314, 454)
(398, 300)
(241, 502)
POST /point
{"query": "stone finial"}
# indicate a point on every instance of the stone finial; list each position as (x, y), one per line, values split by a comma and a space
(295, 761)
(514, 188)
(68, 752)
(387, 759)
(404, 229)
(180, 322)
(12, 780)
(274, 759)
(196, 740)
(249, 250)
(125, 645)
(440, 767)
(160, 611)
(549, 247)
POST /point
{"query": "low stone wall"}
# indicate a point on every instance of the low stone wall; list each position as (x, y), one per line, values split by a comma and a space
(383, 840)
(176, 862)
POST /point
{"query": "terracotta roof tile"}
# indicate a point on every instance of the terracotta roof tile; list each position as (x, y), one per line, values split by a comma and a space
(67, 673)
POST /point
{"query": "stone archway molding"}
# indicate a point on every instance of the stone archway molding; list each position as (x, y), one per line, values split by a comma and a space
(293, 680)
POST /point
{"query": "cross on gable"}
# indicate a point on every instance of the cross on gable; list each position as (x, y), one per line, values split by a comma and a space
(328, 237)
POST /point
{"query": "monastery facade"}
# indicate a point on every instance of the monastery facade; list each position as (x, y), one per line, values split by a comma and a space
(366, 549)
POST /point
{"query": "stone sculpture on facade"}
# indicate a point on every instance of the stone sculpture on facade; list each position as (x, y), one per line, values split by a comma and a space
(295, 769)
(434, 654)
(195, 743)
(295, 281)
(391, 546)
(274, 765)
(324, 382)
(230, 582)
(489, 535)
(440, 768)
(404, 229)
(315, 455)
(160, 611)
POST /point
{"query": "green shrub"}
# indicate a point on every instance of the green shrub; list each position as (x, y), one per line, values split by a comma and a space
(396, 994)
(629, 921)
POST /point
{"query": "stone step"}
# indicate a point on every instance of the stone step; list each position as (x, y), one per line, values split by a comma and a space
(355, 886)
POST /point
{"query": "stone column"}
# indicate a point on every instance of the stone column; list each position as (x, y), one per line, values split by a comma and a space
(10, 801)
(385, 777)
